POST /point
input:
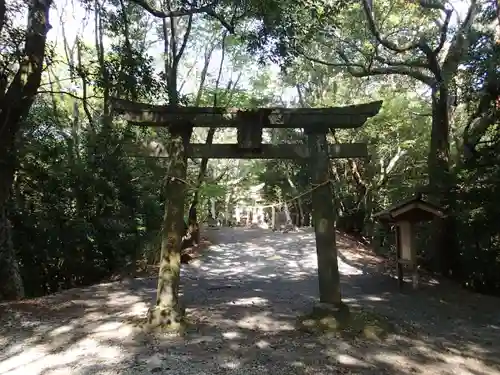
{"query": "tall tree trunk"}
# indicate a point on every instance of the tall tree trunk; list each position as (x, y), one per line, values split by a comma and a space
(228, 211)
(11, 284)
(300, 220)
(14, 106)
(3, 10)
(193, 226)
(439, 151)
(444, 257)
(167, 311)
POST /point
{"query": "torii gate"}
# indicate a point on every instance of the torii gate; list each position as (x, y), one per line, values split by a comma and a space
(180, 122)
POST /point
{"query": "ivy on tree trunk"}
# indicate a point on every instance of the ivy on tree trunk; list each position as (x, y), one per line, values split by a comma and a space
(168, 311)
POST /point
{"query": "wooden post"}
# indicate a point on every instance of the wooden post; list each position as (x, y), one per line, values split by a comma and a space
(255, 215)
(414, 262)
(237, 214)
(324, 219)
(212, 208)
(167, 310)
(408, 253)
(415, 275)
(399, 265)
(228, 217)
(288, 217)
(273, 218)
(260, 215)
(249, 213)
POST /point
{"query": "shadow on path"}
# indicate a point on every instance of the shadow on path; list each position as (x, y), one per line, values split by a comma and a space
(244, 296)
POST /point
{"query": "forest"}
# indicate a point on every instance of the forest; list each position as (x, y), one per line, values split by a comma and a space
(81, 200)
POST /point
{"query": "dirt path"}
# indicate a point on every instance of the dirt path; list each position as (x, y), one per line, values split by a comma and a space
(245, 295)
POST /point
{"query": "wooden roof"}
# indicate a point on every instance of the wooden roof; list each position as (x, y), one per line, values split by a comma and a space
(414, 209)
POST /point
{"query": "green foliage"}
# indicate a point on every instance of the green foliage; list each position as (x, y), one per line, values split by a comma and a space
(283, 23)
(79, 214)
(478, 184)
(211, 190)
(83, 209)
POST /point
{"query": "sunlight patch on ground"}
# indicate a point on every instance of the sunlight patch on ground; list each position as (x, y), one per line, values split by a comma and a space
(275, 255)
(231, 335)
(18, 362)
(444, 360)
(231, 364)
(349, 360)
(61, 330)
(247, 290)
(393, 359)
(39, 359)
(263, 322)
(136, 309)
(66, 348)
(374, 298)
(251, 301)
(262, 344)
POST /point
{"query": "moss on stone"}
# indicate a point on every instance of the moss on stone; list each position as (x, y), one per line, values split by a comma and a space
(343, 322)
(161, 321)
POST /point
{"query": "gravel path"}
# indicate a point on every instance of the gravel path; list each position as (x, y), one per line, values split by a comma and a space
(245, 294)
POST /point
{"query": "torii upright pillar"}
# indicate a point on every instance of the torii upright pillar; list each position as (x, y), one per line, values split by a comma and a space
(324, 218)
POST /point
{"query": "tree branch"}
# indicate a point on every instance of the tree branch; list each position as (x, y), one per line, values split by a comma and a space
(378, 36)
(414, 63)
(444, 31)
(206, 9)
(421, 45)
(386, 170)
(460, 43)
(209, 50)
(356, 175)
(223, 174)
(231, 89)
(413, 67)
(185, 39)
(478, 127)
(484, 116)
(430, 4)
(57, 92)
(359, 70)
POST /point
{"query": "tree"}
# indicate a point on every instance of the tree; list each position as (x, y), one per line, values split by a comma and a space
(480, 80)
(18, 89)
(419, 44)
(168, 311)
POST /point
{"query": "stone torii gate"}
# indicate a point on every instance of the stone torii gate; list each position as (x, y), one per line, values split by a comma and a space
(180, 121)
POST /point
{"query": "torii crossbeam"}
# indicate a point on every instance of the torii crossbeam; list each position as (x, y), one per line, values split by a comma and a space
(250, 124)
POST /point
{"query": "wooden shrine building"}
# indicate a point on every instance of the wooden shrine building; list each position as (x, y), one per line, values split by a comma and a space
(404, 216)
